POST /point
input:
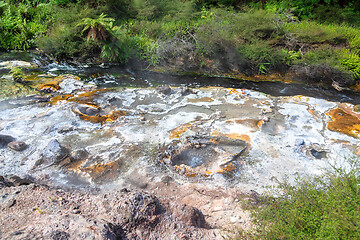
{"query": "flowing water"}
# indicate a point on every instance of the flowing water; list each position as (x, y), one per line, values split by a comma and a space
(104, 126)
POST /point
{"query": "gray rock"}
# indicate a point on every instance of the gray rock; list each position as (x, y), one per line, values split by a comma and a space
(80, 154)
(142, 209)
(318, 154)
(5, 140)
(5, 183)
(186, 91)
(20, 181)
(88, 110)
(166, 90)
(53, 153)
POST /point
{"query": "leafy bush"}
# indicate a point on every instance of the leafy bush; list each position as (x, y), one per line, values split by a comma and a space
(321, 55)
(324, 11)
(251, 34)
(121, 47)
(261, 52)
(157, 9)
(336, 14)
(21, 24)
(312, 32)
(220, 27)
(351, 60)
(290, 57)
(64, 38)
(325, 207)
(17, 74)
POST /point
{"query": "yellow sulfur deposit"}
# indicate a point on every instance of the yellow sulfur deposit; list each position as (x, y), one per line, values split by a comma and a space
(343, 122)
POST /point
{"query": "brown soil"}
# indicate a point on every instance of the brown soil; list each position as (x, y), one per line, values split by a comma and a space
(31, 211)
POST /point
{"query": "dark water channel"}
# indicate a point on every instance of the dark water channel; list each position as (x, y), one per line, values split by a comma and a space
(116, 76)
(107, 76)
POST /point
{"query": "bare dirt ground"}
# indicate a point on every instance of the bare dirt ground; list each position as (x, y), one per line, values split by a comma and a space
(166, 211)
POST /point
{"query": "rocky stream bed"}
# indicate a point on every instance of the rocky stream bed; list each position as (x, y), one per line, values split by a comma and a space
(104, 153)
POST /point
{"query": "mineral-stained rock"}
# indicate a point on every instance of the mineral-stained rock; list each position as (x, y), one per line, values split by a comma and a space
(17, 146)
(5, 140)
(12, 64)
(344, 122)
(90, 110)
(70, 84)
(53, 153)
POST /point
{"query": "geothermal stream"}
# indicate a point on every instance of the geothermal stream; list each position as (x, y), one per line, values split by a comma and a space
(128, 130)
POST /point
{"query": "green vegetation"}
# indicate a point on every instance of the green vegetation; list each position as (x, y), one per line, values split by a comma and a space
(17, 74)
(227, 36)
(325, 207)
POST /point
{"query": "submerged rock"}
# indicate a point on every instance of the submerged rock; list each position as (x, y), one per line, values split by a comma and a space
(318, 154)
(87, 109)
(53, 153)
(205, 156)
(80, 154)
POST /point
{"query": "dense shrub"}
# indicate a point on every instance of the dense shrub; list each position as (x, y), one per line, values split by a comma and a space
(324, 11)
(270, 35)
(65, 38)
(312, 32)
(325, 207)
(251, 34)
(158, 9)
(21, 24)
